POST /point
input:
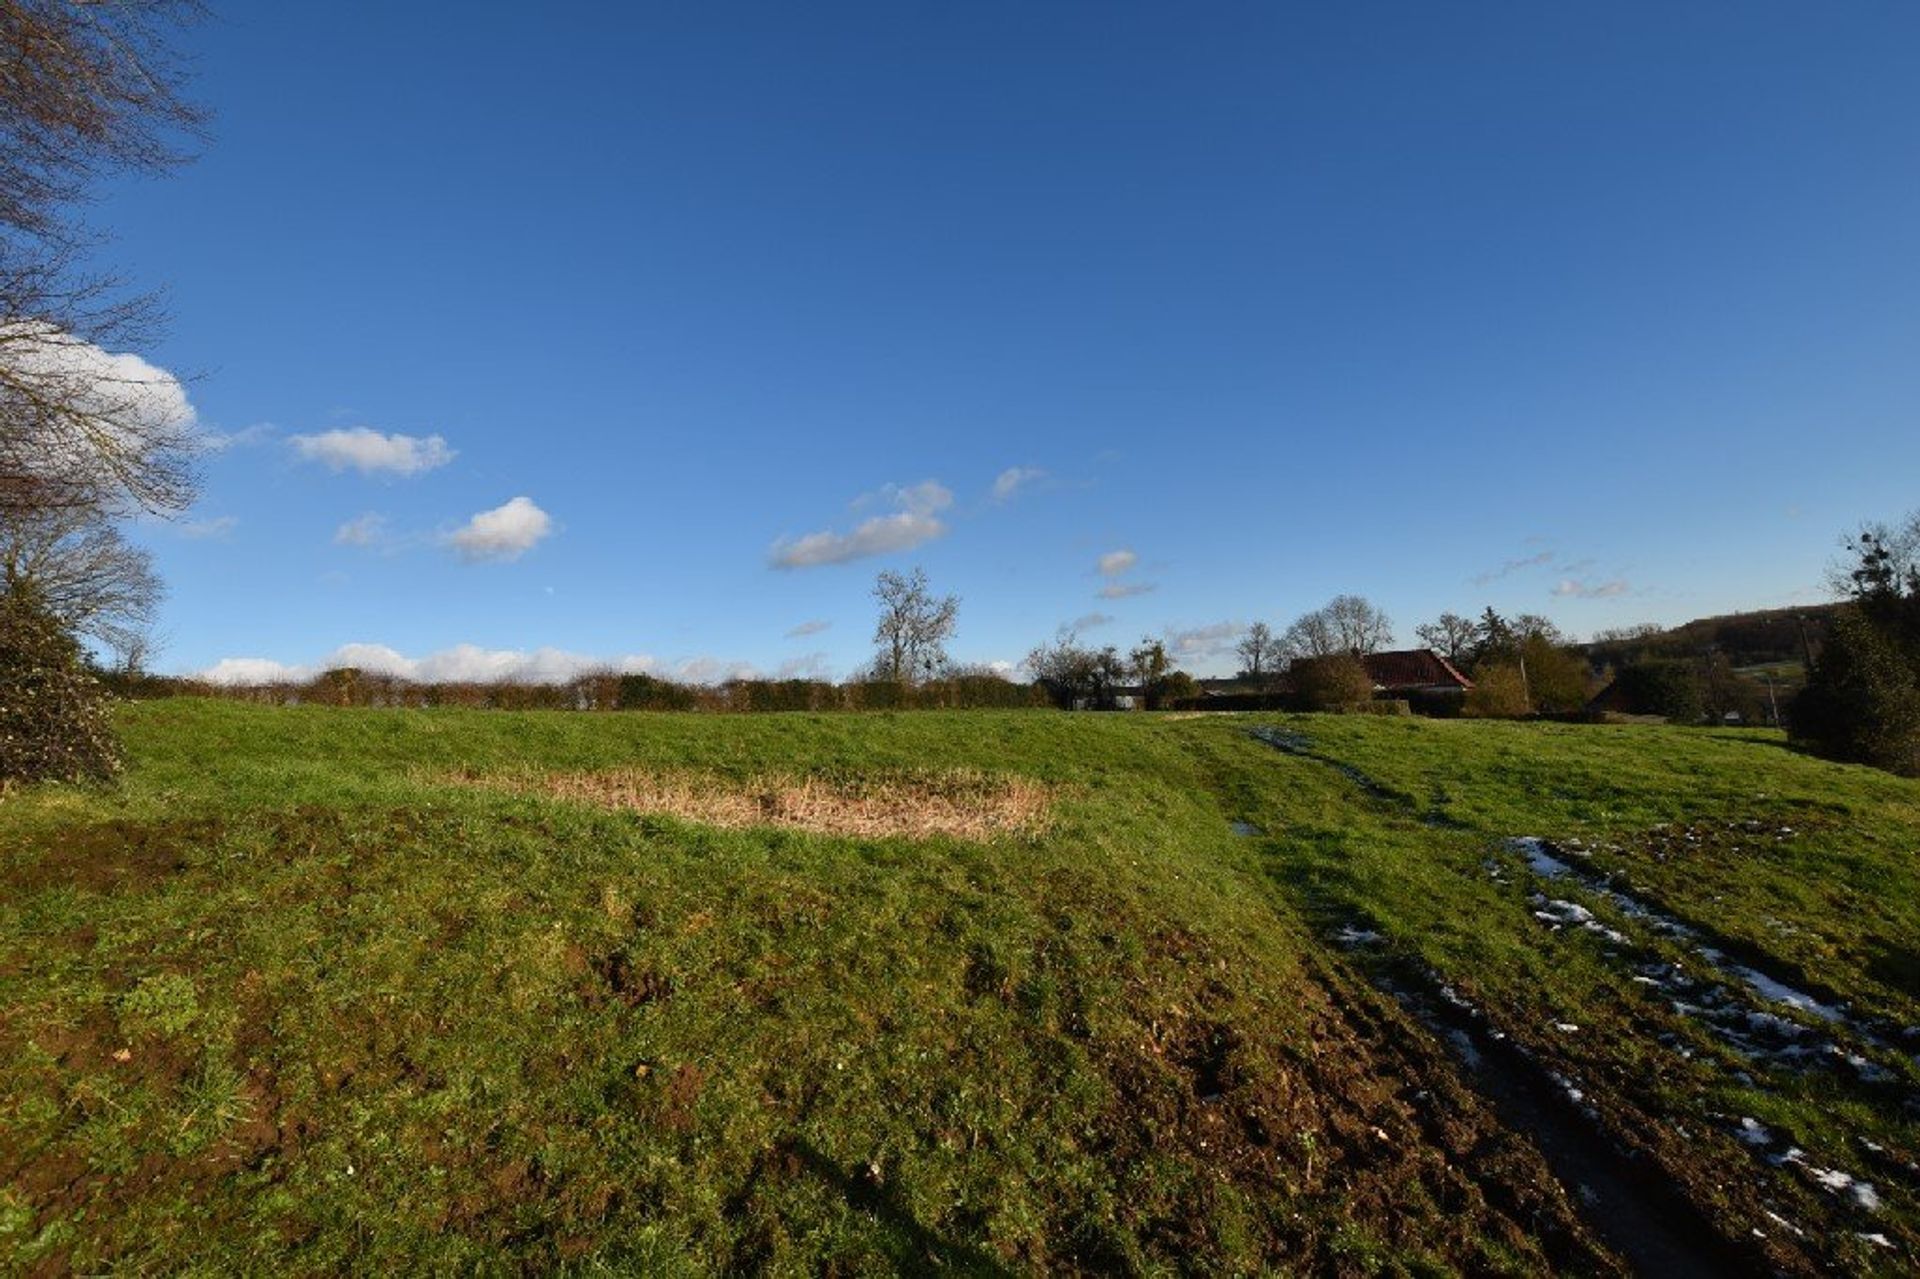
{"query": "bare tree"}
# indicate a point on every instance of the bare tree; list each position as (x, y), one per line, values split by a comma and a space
(1359, 624)
(914, 627)
(1259, 653)
(86, 90)
(89, 577)
(1452, 636)
(1075, 676)
(1345, 624)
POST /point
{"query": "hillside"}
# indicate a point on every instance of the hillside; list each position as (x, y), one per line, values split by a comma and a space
(1767, 637)
(994, 991)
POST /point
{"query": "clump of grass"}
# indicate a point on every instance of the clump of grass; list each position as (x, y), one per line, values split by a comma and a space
(167, 1003)
(954, 804)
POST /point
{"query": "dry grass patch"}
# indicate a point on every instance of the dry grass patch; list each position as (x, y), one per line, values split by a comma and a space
(921, 805)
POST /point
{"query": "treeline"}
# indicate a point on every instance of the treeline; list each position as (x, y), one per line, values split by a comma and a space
(602, 691)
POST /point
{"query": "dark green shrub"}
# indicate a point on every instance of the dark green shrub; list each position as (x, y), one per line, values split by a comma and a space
(53, 714)
(1661, 687)
(647, 693)
(1862, 699)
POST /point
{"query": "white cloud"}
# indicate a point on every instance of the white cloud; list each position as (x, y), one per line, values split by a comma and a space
(506, 532)
(221, 441)
(812, 627)
(369, 452)
(366, 530)
(712, 670)
(1114, 563)
(460, 664)
(209, 529)
(916, 521)
(130, 407)
(1013, 479)
(253, 670)
(1001, 666)
(1569, 587)
(1124, 590)
(1197, 643)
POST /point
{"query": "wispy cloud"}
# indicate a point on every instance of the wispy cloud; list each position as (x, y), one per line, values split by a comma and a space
(366, 450)
(1087, 622)
(208, 529)
(1124, 590)
(811, 627)
(806, 666)
(1114, 563)
(915, 522)
(221, 441)
(1569, 588)
(506, 532)
(365, 530)
(1513, 566)
(1013, 479)
(1198, 643)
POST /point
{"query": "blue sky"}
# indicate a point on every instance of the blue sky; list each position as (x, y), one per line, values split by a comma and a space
(1608, 312)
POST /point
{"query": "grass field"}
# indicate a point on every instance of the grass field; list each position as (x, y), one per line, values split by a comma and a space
(482, 991)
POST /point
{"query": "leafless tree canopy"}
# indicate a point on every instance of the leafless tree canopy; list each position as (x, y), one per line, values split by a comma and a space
(1348, 624)
(1259, 651)
(84, 573)
(913, 629)
(1452, 636)
(86, 89)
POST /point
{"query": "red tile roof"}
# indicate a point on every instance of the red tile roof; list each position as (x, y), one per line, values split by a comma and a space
(1414, 668)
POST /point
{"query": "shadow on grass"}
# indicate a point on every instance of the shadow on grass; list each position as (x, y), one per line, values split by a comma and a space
(912, 1247)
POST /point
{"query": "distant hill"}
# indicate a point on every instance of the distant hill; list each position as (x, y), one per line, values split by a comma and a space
(1779, 636)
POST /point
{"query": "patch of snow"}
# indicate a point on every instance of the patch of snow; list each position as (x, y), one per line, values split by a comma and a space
(1847, 1186)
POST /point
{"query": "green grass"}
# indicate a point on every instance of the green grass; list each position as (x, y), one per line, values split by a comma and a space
(287, 998)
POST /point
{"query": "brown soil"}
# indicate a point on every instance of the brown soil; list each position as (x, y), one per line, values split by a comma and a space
(1366, 1127)
(117, 856)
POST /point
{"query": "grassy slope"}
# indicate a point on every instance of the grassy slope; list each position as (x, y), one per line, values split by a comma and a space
(283, 999)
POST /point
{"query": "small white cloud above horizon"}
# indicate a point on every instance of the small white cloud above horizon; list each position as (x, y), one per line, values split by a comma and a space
(470, 663)
(1124, 590)
(1010, 481)
(915, 522)
(811, 627)
(365, 530)
(1569, 588)
(366, 450)
(502, 534)
(1114, 563)
(463, 663)
(1198, 643)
